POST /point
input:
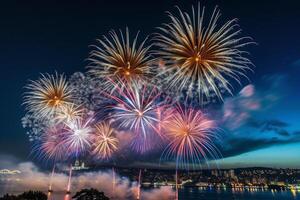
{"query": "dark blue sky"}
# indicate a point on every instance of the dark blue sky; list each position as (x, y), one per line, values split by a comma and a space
(43, 37)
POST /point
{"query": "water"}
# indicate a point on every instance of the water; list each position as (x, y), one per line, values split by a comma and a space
(230, 194)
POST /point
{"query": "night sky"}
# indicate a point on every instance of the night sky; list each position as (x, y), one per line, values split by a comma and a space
(40, 37)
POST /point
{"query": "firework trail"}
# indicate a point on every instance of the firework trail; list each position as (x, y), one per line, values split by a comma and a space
(104, 141)
(176, 185)
(49, 196)
(51, 147)
(190, 135)
(68, 191)
(199, 57)
(117, 59)
(113, 182)
(47, 95)
(51, 179)
(139, 185)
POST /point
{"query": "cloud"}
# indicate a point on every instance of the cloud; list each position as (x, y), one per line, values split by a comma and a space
(32, 178)
(283, 133)
(243, 145)
(296, 132)
(246, 118)
(272, 125)
(248, 111)
(237, 110)
(251, 101)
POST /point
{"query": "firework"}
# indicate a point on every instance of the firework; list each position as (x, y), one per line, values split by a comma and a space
(120, 60)
(51, 146)
(137, 108)
(47, 95)
(77, 135)
(199, 56)
(104, 142)
(190, 134)
(69, 113)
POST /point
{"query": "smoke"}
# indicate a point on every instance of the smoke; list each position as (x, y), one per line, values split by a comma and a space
(32, 178)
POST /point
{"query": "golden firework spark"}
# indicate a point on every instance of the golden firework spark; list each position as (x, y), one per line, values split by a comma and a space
(120, 60)
(105, 142)
(47, 95)
(69, 112)
(202, 56)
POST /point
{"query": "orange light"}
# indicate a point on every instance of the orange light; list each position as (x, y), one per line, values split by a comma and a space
(127, 73)
(140, 113)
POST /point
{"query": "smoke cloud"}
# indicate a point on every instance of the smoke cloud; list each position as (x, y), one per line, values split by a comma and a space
(32, 178)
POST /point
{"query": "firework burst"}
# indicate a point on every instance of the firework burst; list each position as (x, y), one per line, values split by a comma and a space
(137, 108)
(199, 56)
(47, 95)
(190, 134)
(51, 146)
(104, 141)
(121, 61)
(77, 135)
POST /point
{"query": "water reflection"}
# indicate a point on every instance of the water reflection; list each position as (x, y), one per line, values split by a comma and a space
(241, 193)
(67, 197)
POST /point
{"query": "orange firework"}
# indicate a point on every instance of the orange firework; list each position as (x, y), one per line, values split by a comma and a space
(47, 95)
(104, 141)
(190, 135)
(200, 56)
(119, 60)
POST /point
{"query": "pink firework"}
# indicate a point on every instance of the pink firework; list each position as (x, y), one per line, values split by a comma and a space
(52, 146)
(190, 135)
